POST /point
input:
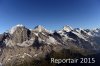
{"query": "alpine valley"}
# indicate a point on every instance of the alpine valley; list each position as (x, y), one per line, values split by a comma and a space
(21, 46)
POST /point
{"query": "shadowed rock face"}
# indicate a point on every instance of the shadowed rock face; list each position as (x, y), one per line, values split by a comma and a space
(1, 37)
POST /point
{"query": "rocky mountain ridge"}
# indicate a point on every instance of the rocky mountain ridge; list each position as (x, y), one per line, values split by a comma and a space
(24, 44)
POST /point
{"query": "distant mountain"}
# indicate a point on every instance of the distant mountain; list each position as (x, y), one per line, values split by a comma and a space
(22, 44)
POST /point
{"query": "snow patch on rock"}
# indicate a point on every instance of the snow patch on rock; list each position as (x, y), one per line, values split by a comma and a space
(67, 28)
(26, 43)
(51, 40)
(79, 35)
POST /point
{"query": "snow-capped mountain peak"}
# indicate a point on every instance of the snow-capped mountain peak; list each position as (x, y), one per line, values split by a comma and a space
(67, 28)
(34, 43)
(40, 28)
(12, 30)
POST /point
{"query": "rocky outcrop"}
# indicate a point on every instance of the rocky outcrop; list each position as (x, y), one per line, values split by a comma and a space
(20, 35)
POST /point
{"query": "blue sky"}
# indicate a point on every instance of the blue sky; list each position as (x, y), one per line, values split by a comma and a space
(53, 14)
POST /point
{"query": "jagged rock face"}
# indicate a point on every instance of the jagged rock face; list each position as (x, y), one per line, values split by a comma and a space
(79, 37)
(21, 34)
(1, 41)
(4, 36)
(1, 37)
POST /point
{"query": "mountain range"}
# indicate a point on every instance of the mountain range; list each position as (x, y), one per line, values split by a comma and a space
(21, 44)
